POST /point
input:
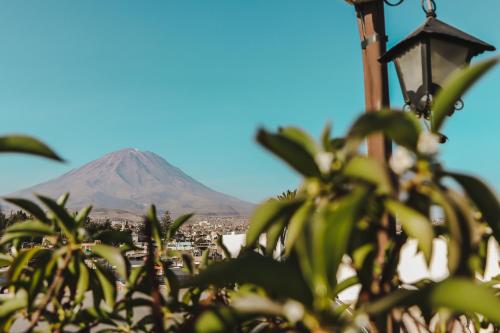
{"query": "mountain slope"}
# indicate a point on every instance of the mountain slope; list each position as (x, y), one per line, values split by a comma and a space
(131, 180)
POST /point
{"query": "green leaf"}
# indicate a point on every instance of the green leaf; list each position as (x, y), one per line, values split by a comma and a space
(65, 221)
(215, 321)
(292, 152)
(371, 171)
(83, 214)
(220, 243)
(188, 263)
(333, 225)
(17, 302)
(26, 145)
(345, 284)
(145, 321)
(297, 224)
(397, 298)
(457, 294)
(483, 197)
(63, 198)
(266, 214)
(35, 286)
(465, 296)
(414, 224)
(134, 302)
(21, 262)
(154, 224)
(93, 313)
(204, 259)
(325, 137)
(177, 224)
(299, 136)
(273, 234)
(31, 207)
(456, 237)
(362, 254)
(173, 282)
(454, 88)
(27, 229)
(35, 227)
(135, 274)
(114, 256)
(256, 304)
(302, 253)
(468, 229)
(5, 260)
(401, 127)
(337, 143)
(258, 270)
(83, 282)
(108, 285)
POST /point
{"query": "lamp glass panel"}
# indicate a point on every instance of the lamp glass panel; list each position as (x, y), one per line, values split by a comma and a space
(446, 57)
(410, 67)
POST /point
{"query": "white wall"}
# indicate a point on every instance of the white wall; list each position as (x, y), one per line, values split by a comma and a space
(412, 266)
(234, 242)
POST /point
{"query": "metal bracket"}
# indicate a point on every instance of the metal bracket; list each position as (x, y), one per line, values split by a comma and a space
(375, 38)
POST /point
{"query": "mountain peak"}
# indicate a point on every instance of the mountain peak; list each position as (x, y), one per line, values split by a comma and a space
(126, 151)
(130, 180)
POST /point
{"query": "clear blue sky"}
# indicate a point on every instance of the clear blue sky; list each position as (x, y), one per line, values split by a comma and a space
(192, 80)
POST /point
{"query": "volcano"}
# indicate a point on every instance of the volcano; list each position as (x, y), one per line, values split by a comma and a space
(130, 180)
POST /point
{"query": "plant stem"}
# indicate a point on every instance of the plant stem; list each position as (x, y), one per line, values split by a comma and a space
(53, 289)
(155, 291)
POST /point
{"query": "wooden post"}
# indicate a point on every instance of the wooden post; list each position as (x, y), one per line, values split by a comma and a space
(371, 23)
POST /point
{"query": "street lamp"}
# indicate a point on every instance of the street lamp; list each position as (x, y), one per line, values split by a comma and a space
(427, 57)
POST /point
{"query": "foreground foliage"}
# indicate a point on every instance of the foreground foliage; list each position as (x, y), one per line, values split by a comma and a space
(350, 210)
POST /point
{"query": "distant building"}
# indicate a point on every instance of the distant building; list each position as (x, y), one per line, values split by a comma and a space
(233, 243)
(180, 246)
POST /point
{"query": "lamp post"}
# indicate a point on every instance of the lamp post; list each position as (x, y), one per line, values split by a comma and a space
(428, 56)
(424, 60)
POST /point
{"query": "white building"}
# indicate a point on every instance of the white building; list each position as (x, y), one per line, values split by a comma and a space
(234, 242)
(412, 266)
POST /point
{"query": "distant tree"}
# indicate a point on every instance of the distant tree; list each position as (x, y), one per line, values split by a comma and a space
(3, 222)
(18, 216)
(165, 223)
(6, 221)
(93, 228)
(107, 224)
(128, 228)
(288, 195)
